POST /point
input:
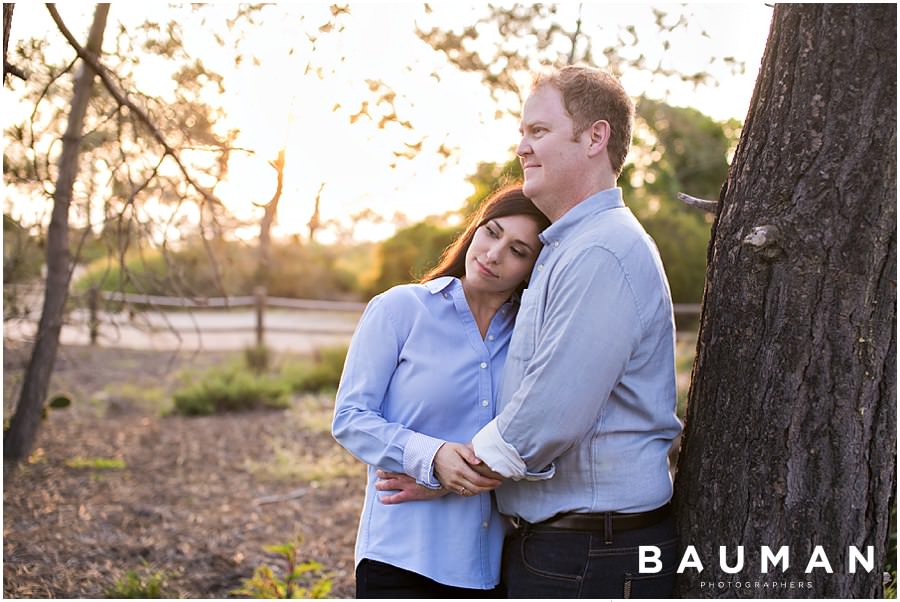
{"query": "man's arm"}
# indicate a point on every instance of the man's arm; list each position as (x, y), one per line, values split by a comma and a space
(590, 328)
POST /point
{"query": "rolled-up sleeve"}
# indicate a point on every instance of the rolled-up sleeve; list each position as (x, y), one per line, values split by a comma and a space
(564, 389)
(359, 424)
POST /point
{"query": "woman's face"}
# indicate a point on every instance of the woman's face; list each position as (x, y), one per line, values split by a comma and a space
(502, 253)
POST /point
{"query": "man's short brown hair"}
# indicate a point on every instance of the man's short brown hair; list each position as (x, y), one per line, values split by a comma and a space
(590, 95)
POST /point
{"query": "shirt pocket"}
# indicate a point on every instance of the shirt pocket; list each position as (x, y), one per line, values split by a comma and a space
(522, 344)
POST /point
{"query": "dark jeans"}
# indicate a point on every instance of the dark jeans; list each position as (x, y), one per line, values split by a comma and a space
(380, 580)
(555, 563)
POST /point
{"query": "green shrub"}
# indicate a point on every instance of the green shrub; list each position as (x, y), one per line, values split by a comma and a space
(133, 585)
(231, 389)
(301, 580)
(323, 373)
(257, 358)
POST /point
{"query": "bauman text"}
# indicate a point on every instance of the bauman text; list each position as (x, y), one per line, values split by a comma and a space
(650, 562)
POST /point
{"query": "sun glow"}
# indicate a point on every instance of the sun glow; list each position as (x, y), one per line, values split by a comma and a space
(370, 117)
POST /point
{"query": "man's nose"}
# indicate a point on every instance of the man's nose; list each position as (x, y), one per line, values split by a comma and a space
(524, 148)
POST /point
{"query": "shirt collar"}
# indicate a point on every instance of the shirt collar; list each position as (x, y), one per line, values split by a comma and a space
(611, 198)
(439, 284)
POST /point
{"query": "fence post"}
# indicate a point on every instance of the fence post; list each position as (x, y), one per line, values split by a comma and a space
(93, 318)
(259, 293)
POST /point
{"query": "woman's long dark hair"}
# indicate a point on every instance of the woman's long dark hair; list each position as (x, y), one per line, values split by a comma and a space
(509, 200)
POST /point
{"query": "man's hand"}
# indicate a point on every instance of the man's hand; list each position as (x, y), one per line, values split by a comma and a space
(406, 487)
(454, 467)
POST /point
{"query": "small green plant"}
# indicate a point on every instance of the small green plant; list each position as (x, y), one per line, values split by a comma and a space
(133, 585)
(301, 580)
(323, 373)
(291, 461)
(231, 389)
(57, 402)
(257, 358)
(96, 463)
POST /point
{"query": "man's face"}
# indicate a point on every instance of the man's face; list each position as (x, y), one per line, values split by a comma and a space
(553, 162)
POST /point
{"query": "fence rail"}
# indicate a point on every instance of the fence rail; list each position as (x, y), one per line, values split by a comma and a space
(228, 302)
(117, 318)
(687, 309)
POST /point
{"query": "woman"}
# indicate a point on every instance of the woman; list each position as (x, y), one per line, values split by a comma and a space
(422, 373)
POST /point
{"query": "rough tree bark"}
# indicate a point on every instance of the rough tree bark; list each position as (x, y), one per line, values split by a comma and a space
(18, 441)
(791, 423)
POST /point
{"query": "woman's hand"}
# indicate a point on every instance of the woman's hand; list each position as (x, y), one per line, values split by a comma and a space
(406, 487)
(453, 464)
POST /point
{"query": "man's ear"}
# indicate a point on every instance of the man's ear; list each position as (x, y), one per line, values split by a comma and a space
(599, 132)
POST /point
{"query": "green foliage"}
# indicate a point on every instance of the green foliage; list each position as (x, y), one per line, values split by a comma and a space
(676, 150)
(298, 579)
(322, 374)
(306, 271)
(23, 255)
(133, 585)
(58, 402)
(257, 358)
(488, 177)
(144, 272)
(412, 251)
(96, 463)
(230, 389)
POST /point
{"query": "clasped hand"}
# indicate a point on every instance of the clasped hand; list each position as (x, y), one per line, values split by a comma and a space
(456, 467)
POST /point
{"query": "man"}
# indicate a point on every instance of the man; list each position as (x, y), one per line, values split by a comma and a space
(589, 387)
(586, 411)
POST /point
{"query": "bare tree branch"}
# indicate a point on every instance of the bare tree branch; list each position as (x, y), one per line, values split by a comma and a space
(123, 100)
(702, 204)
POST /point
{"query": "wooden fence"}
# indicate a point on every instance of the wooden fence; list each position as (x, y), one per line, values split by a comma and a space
(259, 302)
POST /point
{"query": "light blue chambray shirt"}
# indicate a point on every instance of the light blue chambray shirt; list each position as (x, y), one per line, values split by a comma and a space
(417, 374)
(590, 380)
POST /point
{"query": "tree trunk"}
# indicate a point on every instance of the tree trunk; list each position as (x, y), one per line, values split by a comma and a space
(24, 425)
(7, 23)
(791, 423)
(265, 250)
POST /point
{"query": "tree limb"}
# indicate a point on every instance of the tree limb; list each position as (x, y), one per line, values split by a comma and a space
(123, 100)
(704, 205)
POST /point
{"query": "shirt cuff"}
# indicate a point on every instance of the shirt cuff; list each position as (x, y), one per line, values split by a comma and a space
(418, 459)
(503, 458)
(497, 453)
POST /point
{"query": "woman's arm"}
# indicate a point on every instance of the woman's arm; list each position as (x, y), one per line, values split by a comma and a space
(359, 424)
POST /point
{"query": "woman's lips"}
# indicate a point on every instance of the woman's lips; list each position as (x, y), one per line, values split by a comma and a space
(484, 270)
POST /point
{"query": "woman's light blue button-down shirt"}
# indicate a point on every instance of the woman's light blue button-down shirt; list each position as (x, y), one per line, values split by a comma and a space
(417, 374)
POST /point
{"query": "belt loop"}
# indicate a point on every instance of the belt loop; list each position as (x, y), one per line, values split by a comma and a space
(607, 527)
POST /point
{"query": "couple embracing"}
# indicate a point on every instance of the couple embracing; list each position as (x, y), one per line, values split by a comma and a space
(516, 408)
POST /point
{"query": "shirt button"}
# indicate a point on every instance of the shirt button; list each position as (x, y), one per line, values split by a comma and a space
(490, 337)
(484, 525)
(446, 296)
(555, 243)
(485, 402)
(540, 267)
(483, 364)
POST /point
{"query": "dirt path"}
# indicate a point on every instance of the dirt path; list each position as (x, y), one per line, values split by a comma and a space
(182, 495)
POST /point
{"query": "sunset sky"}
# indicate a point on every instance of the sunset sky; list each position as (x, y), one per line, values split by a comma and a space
(274, 104)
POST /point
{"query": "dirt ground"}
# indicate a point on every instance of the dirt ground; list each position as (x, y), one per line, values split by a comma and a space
(193, 499)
